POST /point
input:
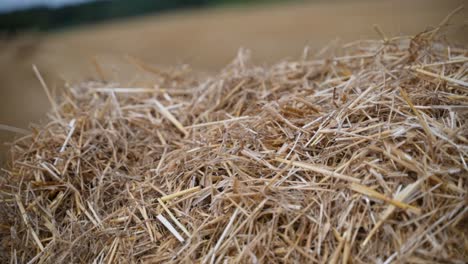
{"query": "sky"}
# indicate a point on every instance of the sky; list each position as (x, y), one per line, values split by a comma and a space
(11, 5)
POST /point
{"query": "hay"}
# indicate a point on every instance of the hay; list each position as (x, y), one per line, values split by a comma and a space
(355, 155)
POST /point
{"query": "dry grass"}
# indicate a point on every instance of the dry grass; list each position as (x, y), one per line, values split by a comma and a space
(356, 154)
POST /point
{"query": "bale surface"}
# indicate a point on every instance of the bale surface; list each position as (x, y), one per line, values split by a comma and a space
(356, 154)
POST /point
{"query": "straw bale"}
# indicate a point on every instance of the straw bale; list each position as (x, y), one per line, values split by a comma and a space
(356, 154)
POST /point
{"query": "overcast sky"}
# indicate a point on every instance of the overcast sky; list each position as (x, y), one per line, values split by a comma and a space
(11, 5)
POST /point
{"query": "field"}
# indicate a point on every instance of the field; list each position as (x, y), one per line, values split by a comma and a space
(206, 39)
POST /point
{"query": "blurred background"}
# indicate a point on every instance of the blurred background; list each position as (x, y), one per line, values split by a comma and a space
(64, 38)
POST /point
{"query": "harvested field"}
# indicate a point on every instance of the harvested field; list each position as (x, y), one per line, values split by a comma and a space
(353, 154)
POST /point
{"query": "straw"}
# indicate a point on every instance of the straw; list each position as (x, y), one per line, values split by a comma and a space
(356, 154)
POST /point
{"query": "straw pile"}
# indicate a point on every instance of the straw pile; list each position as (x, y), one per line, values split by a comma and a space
(354, 155)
